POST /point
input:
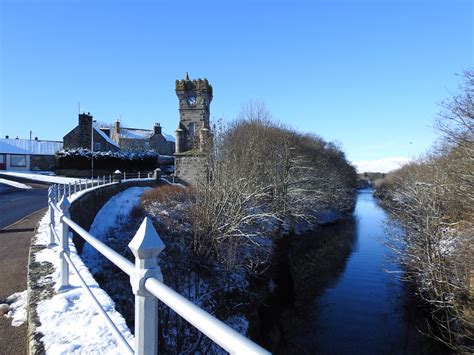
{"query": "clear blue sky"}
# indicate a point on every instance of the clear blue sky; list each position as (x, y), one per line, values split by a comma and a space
(368, 74)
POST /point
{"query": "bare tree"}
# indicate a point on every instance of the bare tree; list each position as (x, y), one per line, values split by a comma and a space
(433, 201)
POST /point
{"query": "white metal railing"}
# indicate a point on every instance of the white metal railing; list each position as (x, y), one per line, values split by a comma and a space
(147, 285)
(83, 184)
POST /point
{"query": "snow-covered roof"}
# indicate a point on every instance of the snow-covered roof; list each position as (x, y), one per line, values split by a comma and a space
(27, 146)
(137, 133)
(168, 137)
(106, 137)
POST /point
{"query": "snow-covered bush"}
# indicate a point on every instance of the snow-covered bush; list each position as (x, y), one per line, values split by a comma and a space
(123, 160)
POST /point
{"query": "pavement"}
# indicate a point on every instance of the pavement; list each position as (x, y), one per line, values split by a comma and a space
(26, 207)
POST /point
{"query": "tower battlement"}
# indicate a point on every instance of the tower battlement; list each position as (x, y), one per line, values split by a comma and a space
(194, 85)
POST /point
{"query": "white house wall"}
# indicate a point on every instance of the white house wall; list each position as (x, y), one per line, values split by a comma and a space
(9, 167)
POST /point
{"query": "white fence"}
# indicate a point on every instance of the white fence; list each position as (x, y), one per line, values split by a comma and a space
(146, 280)
(118, 176)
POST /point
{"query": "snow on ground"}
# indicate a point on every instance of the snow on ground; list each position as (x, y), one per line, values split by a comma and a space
(112, 214)
(69, 320)
(41, 177)
(17, 310)
(14, 184)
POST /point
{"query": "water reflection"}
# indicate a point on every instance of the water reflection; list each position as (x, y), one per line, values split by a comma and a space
(339, 297)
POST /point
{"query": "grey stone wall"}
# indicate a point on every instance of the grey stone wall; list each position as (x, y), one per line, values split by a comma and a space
(191, 169)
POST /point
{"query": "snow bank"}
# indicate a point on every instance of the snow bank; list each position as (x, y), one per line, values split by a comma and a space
(14, 184)
(17, 309)
(41, 177)
(112, 214)
(69, 321)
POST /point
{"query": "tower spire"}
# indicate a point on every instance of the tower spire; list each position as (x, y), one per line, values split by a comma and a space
(187, 76)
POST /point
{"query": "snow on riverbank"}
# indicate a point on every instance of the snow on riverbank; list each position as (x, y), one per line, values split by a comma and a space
(69, 321)
(113, 214)
(18, 185)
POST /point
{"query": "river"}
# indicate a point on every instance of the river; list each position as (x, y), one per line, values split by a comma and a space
(338, 294)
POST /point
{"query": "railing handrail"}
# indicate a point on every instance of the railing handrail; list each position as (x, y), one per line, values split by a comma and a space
(118, 260)
(142, 275)
(222, 334)
(110, 324)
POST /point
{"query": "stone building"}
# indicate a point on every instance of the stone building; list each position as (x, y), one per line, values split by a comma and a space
(142, 139)
(193, 136)
(80, 136)
(28, 154)
(118, 138)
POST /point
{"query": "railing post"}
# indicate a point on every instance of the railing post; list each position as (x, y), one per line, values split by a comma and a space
(138, 174)
(75, 186)
(69, 189)
(51, 201)
(64, 246)
(146, 245)
(118, 176)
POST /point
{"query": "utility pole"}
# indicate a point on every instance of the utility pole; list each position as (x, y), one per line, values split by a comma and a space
(92, 149)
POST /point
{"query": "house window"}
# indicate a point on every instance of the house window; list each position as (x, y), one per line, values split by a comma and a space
(3, 158)
(18, 161)
(97, 146)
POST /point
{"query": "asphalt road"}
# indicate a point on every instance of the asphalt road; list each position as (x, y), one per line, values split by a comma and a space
(16, 204)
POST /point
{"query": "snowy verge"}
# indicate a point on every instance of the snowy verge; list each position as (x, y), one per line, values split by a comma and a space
(69, 322)
(18, 185)
(16, 308)
(41, 177)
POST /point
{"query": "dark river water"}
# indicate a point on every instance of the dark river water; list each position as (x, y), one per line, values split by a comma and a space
(345, 298)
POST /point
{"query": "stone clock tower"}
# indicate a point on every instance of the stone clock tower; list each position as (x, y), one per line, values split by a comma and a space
(193, 136)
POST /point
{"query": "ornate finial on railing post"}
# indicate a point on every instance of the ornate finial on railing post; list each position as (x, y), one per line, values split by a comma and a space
(64, 245)
(146, 245)
(51, 201)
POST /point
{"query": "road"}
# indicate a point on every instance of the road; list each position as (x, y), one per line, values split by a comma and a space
(16, 204)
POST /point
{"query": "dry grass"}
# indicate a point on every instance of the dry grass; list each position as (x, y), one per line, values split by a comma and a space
(167, 193)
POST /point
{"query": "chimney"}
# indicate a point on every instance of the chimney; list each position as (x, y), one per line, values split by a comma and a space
(157, 128)
(117, 126)
(7, 137)
(85, 119)
(36, 138)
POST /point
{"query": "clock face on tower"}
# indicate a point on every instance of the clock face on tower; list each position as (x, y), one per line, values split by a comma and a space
(191, 100)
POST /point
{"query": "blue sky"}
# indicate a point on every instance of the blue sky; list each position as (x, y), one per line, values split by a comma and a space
(367, 74)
